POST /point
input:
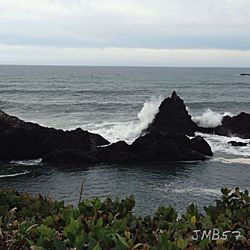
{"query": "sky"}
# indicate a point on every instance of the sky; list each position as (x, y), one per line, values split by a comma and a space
(125, 33)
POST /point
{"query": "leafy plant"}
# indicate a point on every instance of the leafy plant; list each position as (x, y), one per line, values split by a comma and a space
(28, 222)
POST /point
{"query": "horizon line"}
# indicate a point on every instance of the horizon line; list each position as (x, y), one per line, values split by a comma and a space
(123, 66)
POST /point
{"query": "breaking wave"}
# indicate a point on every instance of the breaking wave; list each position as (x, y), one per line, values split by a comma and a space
(219, 144)
(27, 162)
(209, 119)
(129, 130)
(233, 160)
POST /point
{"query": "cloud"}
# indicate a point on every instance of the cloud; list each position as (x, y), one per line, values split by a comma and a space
(128, 32)
(163, 24)
(11, 54)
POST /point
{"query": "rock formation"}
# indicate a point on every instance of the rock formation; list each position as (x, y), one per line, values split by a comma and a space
(238, 125)
(173, 117)
(164, 140)
(158, 147)
(26, 140)
(237, 143)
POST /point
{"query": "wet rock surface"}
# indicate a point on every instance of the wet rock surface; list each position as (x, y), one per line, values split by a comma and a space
(26, 140)
(156, 147)
(165, 139)
(173, 117)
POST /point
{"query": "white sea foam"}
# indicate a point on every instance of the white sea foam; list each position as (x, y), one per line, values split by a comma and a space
(129, 130)
(148, 112)
(198, 191)
(233, 160)
(14, 175)
(219, 144)
(209, 118)
(27, 162)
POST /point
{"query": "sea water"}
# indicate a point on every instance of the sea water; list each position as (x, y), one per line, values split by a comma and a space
(118, 103)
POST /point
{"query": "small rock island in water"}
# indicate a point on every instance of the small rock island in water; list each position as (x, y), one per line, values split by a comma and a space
(165, 139)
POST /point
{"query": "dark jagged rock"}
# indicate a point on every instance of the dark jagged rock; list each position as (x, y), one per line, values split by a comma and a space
(237, 125)
(200, 145)
(237, 143)
(181, 140)
(143, 145)
(173, 117)
(165, 149)
(155, 147)
(119, 152)
(170, 147)
(120, 146)
(191, 155)
(164, 140)
(26, 140)
(70, 156)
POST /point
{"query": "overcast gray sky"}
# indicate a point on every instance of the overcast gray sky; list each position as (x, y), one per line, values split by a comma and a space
(127, 32)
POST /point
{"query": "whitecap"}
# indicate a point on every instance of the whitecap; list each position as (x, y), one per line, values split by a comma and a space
(232, 160)
(210, 119)
(128, 130)
(219, 144)
(27, 162)
(198, 191)
(14, 175)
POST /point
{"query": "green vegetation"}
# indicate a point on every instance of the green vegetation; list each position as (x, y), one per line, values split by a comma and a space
(36, 223)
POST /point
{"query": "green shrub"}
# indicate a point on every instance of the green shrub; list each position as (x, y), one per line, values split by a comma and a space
(36, 223)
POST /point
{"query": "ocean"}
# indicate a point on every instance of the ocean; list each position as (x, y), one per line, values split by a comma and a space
(118, 103)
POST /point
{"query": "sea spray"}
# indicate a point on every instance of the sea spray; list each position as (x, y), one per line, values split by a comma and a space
(148, 112)
(209, 119)
(220, 145)
(130, 130)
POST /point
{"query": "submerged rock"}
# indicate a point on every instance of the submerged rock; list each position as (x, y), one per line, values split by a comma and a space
(173, 117)
(237, 143)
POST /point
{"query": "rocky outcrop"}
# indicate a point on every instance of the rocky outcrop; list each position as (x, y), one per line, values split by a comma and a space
(119, 152)
(70, 156)
(26, 140)
(238, 125)
(164, 140)
(157, 147)
(199, 144)
(173, 117)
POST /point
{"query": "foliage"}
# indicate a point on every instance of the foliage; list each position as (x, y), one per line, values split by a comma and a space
(38, 223)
